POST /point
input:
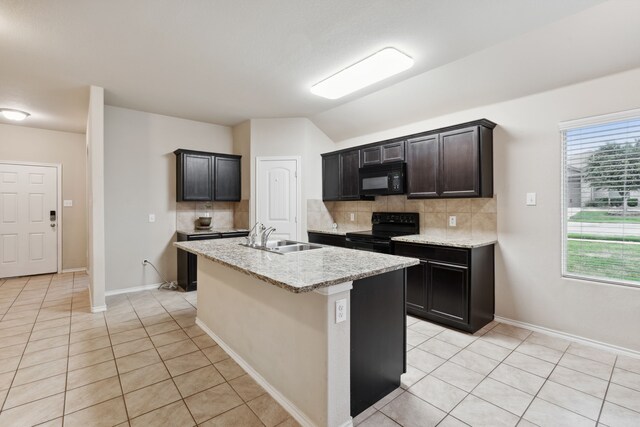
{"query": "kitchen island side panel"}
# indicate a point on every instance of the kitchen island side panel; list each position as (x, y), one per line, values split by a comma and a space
(291, 340)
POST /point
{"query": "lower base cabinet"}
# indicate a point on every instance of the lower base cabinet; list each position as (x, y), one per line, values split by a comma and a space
(327, 239)
(188, 262)
(451, 286)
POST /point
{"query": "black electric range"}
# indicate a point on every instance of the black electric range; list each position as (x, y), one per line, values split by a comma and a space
(385, 225)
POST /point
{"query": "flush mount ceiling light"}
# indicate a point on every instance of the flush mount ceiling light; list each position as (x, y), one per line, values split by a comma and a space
(12, 114)
(379, 66)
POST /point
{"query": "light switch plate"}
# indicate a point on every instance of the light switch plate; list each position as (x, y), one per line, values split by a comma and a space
(352, 216)
(341, 310)
(152, 218)
(531, 199)
(67, 203)
(452, 221)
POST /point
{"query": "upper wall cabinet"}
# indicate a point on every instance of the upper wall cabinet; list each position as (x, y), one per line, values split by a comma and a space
(331, 177)
(227, 178)
(455, 162)
(203, 176)
(382, 153)
(349, 181)
(340, 176)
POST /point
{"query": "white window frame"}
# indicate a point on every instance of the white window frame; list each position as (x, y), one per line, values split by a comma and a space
(573, 124)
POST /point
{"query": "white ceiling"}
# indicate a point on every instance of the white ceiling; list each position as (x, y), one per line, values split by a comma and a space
(224, 61)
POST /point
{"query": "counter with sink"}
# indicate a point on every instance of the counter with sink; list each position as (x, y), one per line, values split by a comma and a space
(299, 272)
(188, 263)
(323, 330)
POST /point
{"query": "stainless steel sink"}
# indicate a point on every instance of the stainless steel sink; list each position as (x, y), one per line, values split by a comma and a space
(298, 247)
(283, 247)
(279, 243)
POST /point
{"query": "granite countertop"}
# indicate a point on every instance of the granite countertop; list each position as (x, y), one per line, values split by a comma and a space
(301, 271)
(334, 231)
(212, 230)
(425, 239)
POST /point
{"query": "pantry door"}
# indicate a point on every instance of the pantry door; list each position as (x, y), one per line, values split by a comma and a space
(29, 218)
(278, 195)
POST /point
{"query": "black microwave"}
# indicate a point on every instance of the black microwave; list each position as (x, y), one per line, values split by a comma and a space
(384, 179)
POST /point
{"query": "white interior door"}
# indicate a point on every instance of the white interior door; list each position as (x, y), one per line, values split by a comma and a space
(28, 220)
(277, 196)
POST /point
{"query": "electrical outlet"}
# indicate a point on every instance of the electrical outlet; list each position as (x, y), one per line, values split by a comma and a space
(152, 217)
(68, 203)
(531, 199)
(452, 221)
(145, 261)
(341, 310)
(352, 216)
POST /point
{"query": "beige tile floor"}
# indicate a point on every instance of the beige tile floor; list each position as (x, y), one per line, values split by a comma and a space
(144, 362)
(507, 376)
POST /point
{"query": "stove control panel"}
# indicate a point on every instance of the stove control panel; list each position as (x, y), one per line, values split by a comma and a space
(378, 218)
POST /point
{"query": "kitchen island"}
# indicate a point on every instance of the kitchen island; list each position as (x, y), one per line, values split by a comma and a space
(277, 316)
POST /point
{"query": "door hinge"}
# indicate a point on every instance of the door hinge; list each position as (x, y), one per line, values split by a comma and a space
(295, 174)
(295, 219)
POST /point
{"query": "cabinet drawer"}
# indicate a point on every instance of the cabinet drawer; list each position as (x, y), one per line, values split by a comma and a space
(327, 239)
(433, 252)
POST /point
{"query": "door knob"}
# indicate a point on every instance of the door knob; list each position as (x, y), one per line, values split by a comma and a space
(53, 225)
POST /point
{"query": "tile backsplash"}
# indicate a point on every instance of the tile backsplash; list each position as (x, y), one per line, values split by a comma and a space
(224, 214)
(474, 217)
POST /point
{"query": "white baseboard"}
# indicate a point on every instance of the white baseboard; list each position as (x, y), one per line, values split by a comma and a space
(74, 270)
(98, 308)
(132, 289)
(292, 409)
(570, 337)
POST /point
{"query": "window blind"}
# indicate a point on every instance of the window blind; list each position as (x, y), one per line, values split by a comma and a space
(601, 212)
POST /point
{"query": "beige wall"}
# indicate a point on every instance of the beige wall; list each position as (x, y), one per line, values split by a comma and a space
(140, 179)
(289, 137)
(527, 158)
(19, 143)
(96, 265)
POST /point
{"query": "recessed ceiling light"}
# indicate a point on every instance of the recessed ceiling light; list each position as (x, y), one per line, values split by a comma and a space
(379, 66)
(12, 114)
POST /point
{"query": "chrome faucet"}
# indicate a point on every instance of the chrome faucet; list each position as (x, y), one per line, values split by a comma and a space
(264, 238)
(255, 233)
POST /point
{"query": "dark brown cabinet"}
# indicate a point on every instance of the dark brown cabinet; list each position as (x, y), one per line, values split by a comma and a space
(331, 177)
(349, 167)
(452, 162)
(194, 171)
(452, 286)
(447, 291)
(422, 166)
(203, 176)
(416, 291)
(456, 161)
(459, 166)
(327, 239)
(382, 153)
(340, 176)
(188, 262)
(227, 179)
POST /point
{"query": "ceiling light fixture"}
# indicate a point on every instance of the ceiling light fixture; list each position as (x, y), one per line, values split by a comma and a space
(11, 114)
(379, 66)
